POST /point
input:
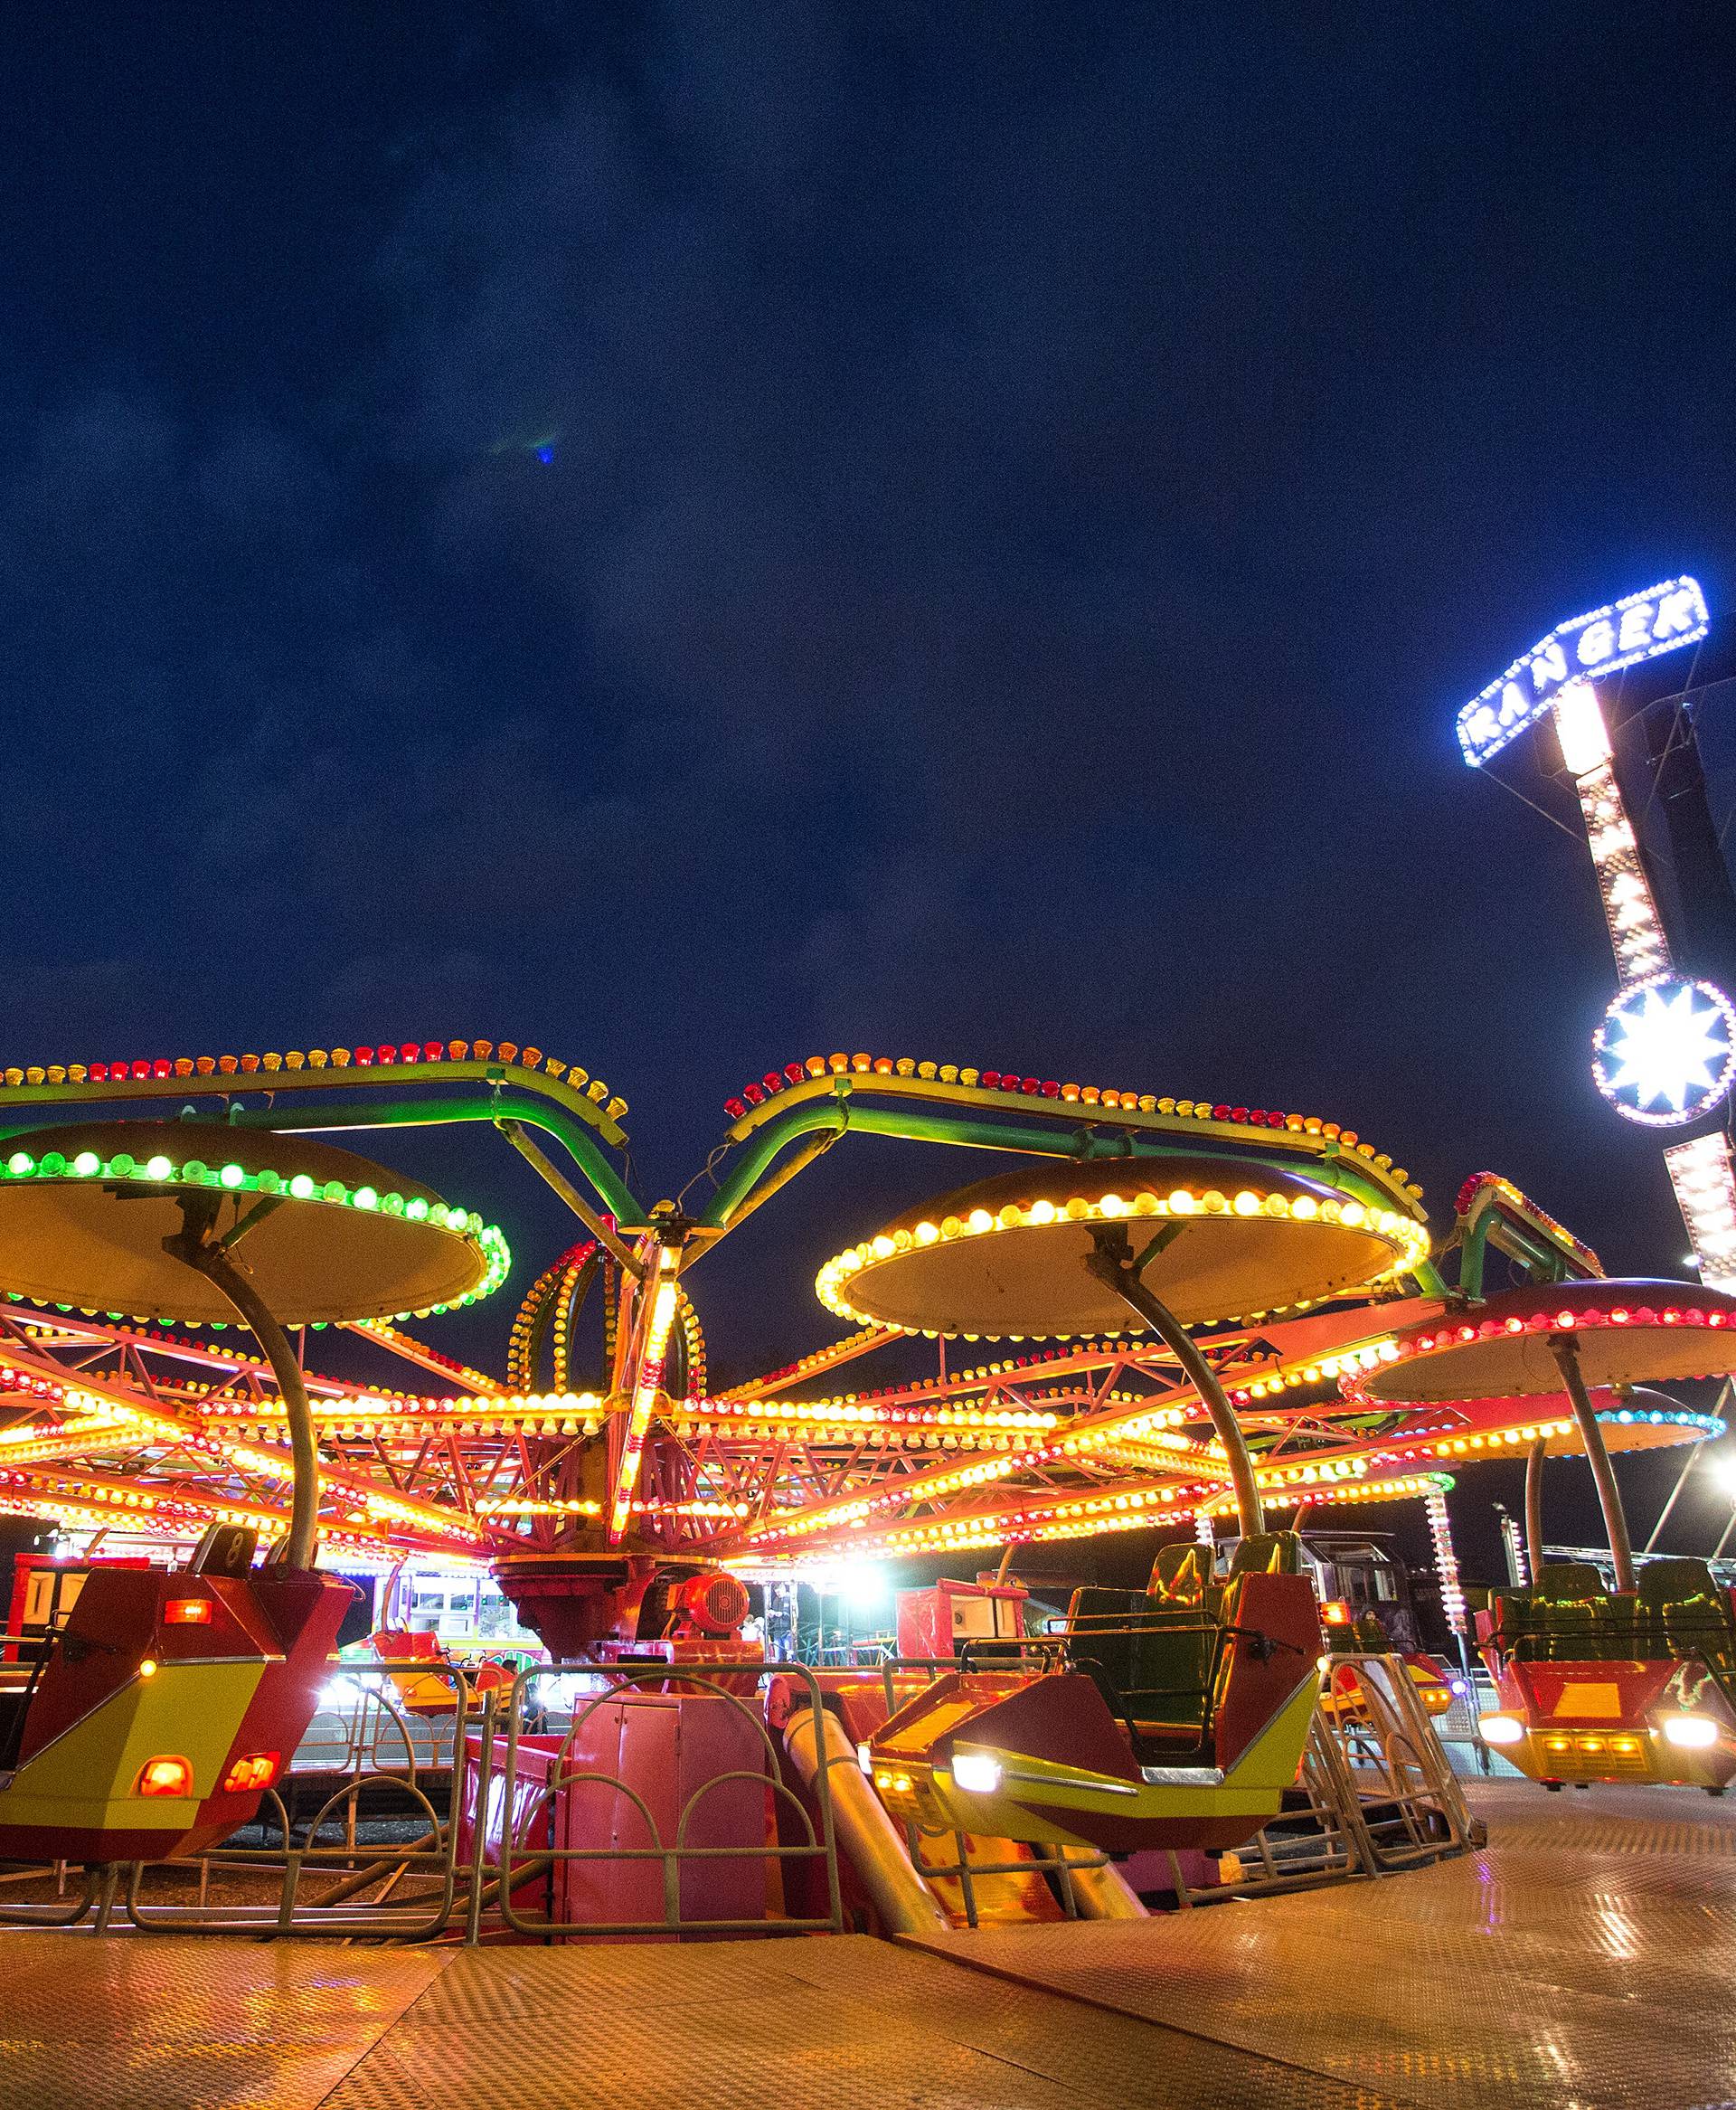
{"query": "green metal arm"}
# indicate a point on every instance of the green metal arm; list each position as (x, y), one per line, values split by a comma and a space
(1498, 1214)
(573, 1136)
(911, 1124)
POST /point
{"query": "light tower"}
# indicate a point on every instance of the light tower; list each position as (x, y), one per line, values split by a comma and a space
(1664, 1052)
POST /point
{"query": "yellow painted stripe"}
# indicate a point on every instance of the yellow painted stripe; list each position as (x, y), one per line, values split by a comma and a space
(86, 1777)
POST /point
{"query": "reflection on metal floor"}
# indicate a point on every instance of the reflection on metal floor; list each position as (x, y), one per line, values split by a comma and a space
(1584, 1960)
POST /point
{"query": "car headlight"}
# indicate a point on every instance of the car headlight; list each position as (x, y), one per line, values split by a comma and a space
(1501, 1729)
(975, 1771)
(1690, 1732)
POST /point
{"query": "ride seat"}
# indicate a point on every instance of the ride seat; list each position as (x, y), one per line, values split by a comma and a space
(1181, 1577)
(1267, 1553)
(1099, 1626)
(1511, 1628)
(1682, 1612)
(1156, 1656)
(1571, 1612)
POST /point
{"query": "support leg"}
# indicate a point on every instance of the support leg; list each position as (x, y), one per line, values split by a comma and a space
(1112, 1262)
(1534, 1508)
(194, 1245)
(1567, 1359)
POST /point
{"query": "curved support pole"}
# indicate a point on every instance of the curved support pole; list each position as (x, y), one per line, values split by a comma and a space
(1566, 1357)
(1534, 1508)
(1112, 1262)
(492, 1106)
(208, 1258)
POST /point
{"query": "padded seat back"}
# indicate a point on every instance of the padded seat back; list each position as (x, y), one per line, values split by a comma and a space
(1181, 1578)
(1512, 1628)
(1099, 1629)
(1267, 1553)
(1170, 1694)
(1678, 1581)
(1572, 1614)
(1158, 1658)
(1568, 1582)
(1682, 1612)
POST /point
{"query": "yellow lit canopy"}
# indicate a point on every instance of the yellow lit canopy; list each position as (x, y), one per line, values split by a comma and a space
(1223, 1239)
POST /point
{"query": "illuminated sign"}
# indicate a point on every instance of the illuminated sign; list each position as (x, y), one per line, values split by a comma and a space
(1609, 638)
(1665, 1051)
(1705, 1187)
(1636, 929)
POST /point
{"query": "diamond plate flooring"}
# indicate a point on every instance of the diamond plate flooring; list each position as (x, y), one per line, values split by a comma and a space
(1583, 1960)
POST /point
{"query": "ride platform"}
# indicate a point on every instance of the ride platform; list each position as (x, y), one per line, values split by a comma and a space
(1582, 1959)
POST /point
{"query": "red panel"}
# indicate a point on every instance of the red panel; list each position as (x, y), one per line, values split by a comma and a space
(1252, 1691)
(110, 1627)
(305, 1613)
(665, 1749)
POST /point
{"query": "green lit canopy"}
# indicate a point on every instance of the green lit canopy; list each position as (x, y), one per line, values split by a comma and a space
(324, 1235)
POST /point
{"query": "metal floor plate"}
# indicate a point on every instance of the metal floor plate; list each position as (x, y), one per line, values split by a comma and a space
(1582, 1961)
(1586, 1963)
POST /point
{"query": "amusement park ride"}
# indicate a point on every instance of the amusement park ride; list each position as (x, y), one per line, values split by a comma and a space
(1182, 1312)
(1179, 1311)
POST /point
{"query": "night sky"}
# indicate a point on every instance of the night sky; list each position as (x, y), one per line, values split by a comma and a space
(1026, 491)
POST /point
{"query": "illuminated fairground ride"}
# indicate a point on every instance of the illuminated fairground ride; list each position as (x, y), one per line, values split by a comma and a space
(1178, 1311)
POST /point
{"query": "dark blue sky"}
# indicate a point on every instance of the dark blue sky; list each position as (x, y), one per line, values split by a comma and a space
(1030, 488)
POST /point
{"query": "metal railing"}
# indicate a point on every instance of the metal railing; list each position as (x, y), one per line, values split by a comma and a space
(1059, 1864)
(336, 1873)
(567, 1772)
(1378, 1793)
(485, 1841)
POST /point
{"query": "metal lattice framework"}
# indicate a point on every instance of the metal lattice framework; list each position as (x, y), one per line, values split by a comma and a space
(600, 1431)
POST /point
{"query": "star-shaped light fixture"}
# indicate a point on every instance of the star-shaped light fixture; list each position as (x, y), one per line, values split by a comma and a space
(1665, 1051)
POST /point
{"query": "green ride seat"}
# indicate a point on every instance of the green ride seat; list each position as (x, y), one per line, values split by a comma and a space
(1099, 1626)
(1181, 1578)
(1513, 1629)
(1571, 1611)
(1684, 1612)
(1267, 1553)
(1158, 1654)
(1568, 1582)
(1170, 1700)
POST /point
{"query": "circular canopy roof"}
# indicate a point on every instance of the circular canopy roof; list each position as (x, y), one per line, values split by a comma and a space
(1638, 1420)
(1643, 1421)
(1224, 1239)
(84, 1211)
(1626, 1332)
